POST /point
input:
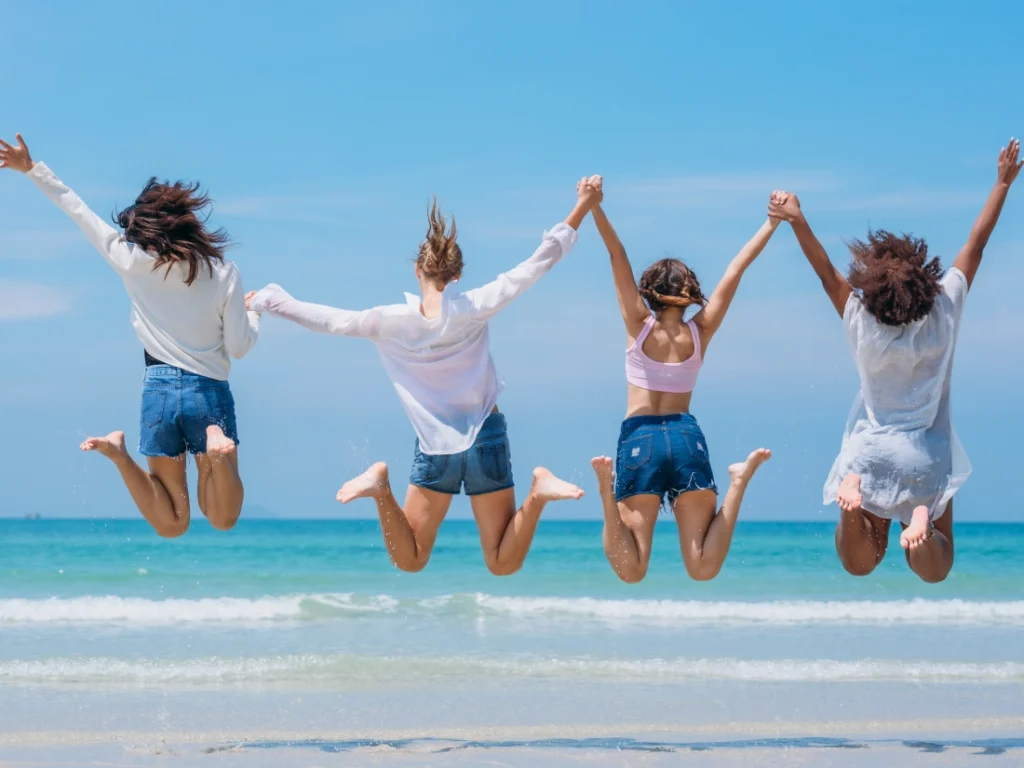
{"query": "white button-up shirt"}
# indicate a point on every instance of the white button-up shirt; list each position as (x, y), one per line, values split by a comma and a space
(441, 367)
(193, 327)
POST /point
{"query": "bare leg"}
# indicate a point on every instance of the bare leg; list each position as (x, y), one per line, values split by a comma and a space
(861, 540)
(160, 494)
(506, 534)
(628, 525)
(704, 537)
(932, 559)
(220, 488)
(410, 533)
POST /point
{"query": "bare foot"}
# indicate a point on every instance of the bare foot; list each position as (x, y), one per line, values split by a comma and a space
(217, 443)
(605, 471)
(849, 497)
(547, 487)
(742, 472)
(111, 446)
(919, 530)
(369, 484)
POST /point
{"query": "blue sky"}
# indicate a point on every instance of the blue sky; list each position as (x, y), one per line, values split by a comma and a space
(321, 130)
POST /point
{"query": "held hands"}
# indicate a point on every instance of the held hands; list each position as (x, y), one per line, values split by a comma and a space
(784, 206)
(1009, 163)
(16, 158)
(589, 191)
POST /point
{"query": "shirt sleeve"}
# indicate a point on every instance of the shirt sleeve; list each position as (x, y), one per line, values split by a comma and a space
(954, 285)
(104, 238)
(490, 299)
(275, 300)
(241, 328)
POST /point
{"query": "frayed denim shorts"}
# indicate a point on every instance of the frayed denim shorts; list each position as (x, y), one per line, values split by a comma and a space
(178, 406)
(663, 456)
(485, 468)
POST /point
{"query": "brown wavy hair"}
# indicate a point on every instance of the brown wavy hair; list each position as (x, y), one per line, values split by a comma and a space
(670, 283)
(893, 277)
(168, 221)
(440, 257)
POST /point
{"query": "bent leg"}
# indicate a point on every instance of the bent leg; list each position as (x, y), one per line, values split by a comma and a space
(505, 533)
(409, 533)
(220, 487)
(160, 494)
(705, 537)
(861, 540)
(628, 525)
(932, 559)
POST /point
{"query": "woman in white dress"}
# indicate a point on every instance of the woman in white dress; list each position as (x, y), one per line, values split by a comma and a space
(900, 457)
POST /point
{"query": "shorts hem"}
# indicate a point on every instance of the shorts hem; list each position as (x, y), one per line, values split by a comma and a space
(491, 490)
(435, 490)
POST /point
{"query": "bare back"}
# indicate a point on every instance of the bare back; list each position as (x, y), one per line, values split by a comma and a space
(669, 341)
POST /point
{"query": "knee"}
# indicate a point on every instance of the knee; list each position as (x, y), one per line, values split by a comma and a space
(856, 566)
(411, 564)
(225, 523)
(498, 568)
(631, 574)
(172, 530)
(702, 572)
(934, 578)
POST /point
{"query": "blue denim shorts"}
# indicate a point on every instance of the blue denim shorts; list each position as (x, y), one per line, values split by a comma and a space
(484, 468)
(662, 455)
(178, 406)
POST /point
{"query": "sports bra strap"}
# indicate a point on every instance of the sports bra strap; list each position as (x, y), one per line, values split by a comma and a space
(644, 333)
(696, 339)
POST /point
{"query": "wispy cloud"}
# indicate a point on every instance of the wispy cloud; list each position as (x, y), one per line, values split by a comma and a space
(21, 300)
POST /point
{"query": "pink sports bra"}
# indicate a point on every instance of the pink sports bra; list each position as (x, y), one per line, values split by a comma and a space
(678, 378)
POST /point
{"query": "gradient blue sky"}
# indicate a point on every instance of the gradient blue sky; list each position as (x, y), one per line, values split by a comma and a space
(321, 129)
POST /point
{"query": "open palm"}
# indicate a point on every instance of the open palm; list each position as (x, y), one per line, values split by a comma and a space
(1010, 162)
(16, 158)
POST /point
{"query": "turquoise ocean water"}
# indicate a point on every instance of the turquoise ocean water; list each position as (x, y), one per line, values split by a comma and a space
(318, 604)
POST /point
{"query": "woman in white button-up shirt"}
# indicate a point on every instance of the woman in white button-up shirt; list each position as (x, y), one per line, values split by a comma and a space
(188, 310)
(436, 350)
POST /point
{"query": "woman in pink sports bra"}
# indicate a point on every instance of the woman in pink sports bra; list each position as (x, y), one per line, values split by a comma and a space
(662, 453)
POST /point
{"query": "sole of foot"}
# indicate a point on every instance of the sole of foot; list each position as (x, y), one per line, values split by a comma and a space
(217, 443)
(744, 470)
(919, 530)
(604, 468)
(369, 484)
(849, 497)
(111, 446)
(547, 487)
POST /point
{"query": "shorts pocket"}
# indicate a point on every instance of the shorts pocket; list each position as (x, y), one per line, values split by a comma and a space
(494, 460)
(153, 402)
(697, 446)
(213, 404)
(636, 451)
(430, 468)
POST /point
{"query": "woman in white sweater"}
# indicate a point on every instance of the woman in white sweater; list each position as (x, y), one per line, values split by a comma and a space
(188, 310)
(435, 347)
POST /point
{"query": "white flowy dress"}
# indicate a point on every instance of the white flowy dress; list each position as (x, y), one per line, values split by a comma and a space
(899, 437)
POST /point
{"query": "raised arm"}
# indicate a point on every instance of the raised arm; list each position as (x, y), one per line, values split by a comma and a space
(104, 238)
(786, 206)
(490, 299)
(710, 318)
(969, 258)
(275, 300)
(634, 311)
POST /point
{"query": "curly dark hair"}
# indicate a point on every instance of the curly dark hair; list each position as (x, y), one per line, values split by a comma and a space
(893, 277)
(166, 221)
(669, 282)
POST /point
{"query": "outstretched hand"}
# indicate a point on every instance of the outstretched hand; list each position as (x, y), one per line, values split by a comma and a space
(16, 158)
(589, 190)
(1009, 162)
(784, 206)
(248, 299)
